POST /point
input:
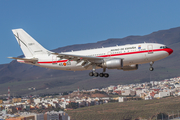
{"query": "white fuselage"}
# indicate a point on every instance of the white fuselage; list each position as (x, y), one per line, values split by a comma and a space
(131, 54)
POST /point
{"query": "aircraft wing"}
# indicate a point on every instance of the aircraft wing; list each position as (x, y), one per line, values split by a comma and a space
(32, 60)
(87, 60)
(75, 57)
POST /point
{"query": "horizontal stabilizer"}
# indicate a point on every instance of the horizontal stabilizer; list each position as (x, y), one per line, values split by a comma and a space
(32, 60)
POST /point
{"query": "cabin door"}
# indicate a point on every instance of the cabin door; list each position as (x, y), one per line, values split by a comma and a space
(150, 49)
(109, 54)
(54, 60)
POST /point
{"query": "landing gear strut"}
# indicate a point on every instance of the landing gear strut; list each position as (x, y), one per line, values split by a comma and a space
(151, 68)
(95, 74)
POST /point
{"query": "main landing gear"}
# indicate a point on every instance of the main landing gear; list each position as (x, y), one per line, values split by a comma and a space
(151, 68)
(95, 74)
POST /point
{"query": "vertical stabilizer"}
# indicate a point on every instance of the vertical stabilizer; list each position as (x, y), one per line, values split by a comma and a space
(29, 46)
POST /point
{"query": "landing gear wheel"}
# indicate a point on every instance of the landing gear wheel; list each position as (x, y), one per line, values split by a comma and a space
(101, 74)
(96, 74)
(91, 74)
(151, 64)
(151, 68)
(106, 75)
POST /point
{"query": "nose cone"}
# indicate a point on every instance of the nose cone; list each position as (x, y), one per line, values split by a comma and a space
(170, 51)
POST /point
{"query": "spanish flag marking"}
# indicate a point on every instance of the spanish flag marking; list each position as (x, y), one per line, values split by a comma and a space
(64, 64)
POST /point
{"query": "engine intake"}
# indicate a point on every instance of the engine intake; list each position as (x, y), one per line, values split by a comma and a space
(113, 64)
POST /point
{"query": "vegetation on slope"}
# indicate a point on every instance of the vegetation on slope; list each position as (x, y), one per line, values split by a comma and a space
(144, 109)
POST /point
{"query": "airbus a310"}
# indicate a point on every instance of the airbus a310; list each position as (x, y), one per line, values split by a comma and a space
(125, 57)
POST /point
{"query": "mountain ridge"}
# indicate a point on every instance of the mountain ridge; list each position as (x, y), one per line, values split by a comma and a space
(17, 75)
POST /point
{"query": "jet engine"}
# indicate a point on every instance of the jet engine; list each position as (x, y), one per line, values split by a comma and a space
(130, 67)
(113, 64)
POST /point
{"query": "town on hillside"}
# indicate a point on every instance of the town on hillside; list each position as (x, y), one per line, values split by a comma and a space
(50, 107)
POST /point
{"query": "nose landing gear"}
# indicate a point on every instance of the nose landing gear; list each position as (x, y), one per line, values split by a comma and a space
(151, 68)
(151, 64)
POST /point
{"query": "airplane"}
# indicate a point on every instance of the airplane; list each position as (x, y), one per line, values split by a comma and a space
(126, 57)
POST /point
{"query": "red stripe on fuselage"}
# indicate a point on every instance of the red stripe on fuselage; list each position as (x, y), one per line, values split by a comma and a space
(53, 61)
(168, 50)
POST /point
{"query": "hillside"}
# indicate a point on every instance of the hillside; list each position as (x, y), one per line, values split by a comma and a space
(21, 76)
(131, 110)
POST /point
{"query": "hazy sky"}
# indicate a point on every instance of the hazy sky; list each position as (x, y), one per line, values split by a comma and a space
(57, 23)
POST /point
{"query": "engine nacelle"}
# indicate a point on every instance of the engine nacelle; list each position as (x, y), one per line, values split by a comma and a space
(130, 67)
(113, 64)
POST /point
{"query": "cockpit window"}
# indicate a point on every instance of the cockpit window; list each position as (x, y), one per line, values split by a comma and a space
(163, 47)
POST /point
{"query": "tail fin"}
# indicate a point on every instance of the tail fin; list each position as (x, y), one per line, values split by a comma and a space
(29, 46)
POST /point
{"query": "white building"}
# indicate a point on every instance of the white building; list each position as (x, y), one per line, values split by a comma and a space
(39, 116)
(51, 116)
(148, 97)
(162, 94)
(122, 99)
(138, 92)
(126, 92)
(177, 85)
(111, 87)
(56, 116)
(63, 104)
(38, 100)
